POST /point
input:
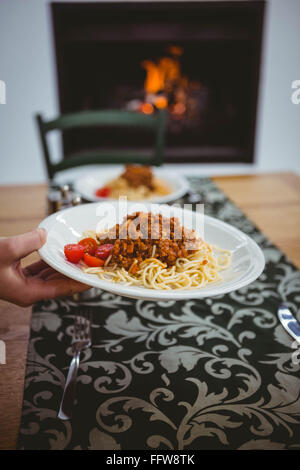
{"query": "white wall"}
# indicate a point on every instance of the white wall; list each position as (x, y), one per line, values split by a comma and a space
(278, 127)
(27, 66)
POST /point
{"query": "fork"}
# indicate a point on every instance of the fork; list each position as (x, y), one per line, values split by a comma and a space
(81, 341)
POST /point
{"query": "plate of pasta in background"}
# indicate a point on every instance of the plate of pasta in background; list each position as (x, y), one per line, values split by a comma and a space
(135, 182)
(150, 251)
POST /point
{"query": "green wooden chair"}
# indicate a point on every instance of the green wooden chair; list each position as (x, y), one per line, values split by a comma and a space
(104, 118)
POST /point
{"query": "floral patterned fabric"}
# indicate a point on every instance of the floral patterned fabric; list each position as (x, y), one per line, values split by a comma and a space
(218, 373)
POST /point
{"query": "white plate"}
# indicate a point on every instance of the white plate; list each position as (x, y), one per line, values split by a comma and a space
(88, 183)
(68, 225)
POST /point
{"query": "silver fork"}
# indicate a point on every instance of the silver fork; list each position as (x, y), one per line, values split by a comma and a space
(81, 340)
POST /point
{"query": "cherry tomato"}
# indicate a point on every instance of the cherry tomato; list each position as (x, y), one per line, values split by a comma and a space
(103, 192)
(74, 252)
(92, 261)
(89, 245)
(103, 251)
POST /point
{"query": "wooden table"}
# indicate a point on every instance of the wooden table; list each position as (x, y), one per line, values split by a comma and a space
(271, 201)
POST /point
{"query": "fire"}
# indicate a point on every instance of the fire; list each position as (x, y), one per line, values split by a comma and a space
(165, 86)
(160, 75)
(155, 79)
(161, 102)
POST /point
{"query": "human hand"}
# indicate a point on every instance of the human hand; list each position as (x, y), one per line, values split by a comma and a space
(35, 282)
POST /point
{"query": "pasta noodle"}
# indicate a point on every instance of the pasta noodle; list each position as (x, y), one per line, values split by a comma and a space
(163, 262)
(120, 187)
(198, 269)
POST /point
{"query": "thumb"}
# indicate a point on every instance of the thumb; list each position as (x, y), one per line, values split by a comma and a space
(22, 245)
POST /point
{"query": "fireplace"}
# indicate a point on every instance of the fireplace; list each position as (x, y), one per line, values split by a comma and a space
(198, 60)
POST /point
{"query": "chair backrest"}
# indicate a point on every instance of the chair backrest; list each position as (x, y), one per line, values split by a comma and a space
(104, 118)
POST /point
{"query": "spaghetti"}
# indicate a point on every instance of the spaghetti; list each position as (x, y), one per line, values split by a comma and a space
(120, 187)
(160, 263)
(197, 270)
(137, 182)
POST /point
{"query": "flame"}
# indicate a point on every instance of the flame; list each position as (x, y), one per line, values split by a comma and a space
(175, 50)
(161, 102)
(154, 79)
(160, 74)
(166, 87)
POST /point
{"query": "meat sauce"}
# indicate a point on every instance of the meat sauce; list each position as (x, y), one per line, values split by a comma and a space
(138, 176)
(145, 235)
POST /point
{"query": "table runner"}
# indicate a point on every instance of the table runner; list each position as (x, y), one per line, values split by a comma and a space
(216, 373)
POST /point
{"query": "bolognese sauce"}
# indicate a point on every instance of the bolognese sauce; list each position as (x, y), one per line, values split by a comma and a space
(138, 176)
(145, 235)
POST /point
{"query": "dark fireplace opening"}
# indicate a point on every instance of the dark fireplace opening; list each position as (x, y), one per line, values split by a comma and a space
(199, 61)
